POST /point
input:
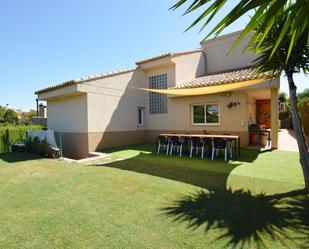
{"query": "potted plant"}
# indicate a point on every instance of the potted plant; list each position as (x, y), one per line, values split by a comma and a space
(253, 133)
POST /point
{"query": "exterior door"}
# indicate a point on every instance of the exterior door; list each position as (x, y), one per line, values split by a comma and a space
(263, 113)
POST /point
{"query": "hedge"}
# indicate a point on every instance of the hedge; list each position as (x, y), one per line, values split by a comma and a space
(304, 112)
(12, 134)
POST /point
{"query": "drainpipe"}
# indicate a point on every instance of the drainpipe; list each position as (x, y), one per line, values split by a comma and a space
(37, 107)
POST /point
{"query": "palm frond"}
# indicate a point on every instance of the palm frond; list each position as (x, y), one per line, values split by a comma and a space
(266, 11)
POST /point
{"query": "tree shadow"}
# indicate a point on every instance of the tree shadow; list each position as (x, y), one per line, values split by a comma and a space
(205, 173)
(250, 155)
(195, 171)
(292, 133)
(14, 157)
(246, 220)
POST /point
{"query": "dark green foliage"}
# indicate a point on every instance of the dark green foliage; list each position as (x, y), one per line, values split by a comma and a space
(2, 111)
(265, 14)
(298, 60)
(35, 146)
(27, 117)
(46, 150)
(41, 148)
(10, 117)
(304, 94)
(13, 134)
(282, 97)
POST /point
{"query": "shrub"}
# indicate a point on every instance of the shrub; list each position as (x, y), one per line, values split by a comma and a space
(41, 148)
(10, 116)
(45, 149)
(36, 146)
(12, 134)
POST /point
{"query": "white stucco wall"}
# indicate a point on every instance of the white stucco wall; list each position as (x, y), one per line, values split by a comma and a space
(217, 57)
(179, 116)
(189, 66)
(113, 101)
(68, 114)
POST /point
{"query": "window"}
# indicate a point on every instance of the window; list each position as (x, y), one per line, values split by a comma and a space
(206, 114)
(140, 114)
(157, 101)
(199, 114)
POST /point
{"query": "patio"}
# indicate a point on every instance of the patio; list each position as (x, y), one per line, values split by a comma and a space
(287, 140)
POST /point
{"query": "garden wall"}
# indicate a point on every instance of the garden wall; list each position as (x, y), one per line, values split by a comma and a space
(12, 134)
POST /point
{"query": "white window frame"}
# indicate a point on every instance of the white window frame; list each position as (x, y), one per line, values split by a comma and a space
(142, 109)
(203, 124)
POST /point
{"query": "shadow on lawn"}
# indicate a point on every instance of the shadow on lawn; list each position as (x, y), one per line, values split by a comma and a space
(195, 171)
(205, 175)
(247, 220)
(243, 219)
(14, 157)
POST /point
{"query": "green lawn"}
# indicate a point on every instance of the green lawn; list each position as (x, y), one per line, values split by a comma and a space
(142, 200)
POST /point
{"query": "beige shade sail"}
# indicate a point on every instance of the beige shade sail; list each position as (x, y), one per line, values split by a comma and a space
(194, 91)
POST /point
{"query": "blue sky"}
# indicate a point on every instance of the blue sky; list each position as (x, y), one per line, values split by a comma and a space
(47, 42)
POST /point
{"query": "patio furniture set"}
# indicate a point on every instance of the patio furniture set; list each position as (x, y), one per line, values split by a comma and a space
(180, 143)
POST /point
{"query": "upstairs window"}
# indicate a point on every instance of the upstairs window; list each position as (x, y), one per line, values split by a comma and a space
(157, 101)
(206, 114)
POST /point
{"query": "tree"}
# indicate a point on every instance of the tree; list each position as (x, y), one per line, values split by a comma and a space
(283, 97)
(298, 61)
(2, 111)
(10, 116)
(280, 35)
(264, 17)
(27, 117)
(303, 94)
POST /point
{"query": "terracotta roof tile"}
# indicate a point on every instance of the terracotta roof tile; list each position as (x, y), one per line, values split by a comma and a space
(226, 77)
(83, 79)
(167, 55)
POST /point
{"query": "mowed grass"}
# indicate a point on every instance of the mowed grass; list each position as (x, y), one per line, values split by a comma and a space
(142, 200)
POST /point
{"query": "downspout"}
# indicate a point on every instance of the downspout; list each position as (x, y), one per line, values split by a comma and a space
(37, 107)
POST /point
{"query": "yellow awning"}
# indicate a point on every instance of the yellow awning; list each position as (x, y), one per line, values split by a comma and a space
(206, 89)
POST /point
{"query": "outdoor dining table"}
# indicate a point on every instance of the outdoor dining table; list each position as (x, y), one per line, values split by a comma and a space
(234, 138)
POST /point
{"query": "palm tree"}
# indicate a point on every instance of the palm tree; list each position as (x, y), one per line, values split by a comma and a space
(266, 12)
(280, 35)
(298, 61)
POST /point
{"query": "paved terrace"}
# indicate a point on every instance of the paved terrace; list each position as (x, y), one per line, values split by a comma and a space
(287, 140)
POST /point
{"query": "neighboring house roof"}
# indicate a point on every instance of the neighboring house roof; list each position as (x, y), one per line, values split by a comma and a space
(168, 55)
(227, 77)
(83, 79)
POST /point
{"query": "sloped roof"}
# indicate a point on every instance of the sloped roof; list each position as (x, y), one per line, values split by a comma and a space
(83, 79)
(168, 55)
(108, 74)
(227, 77)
